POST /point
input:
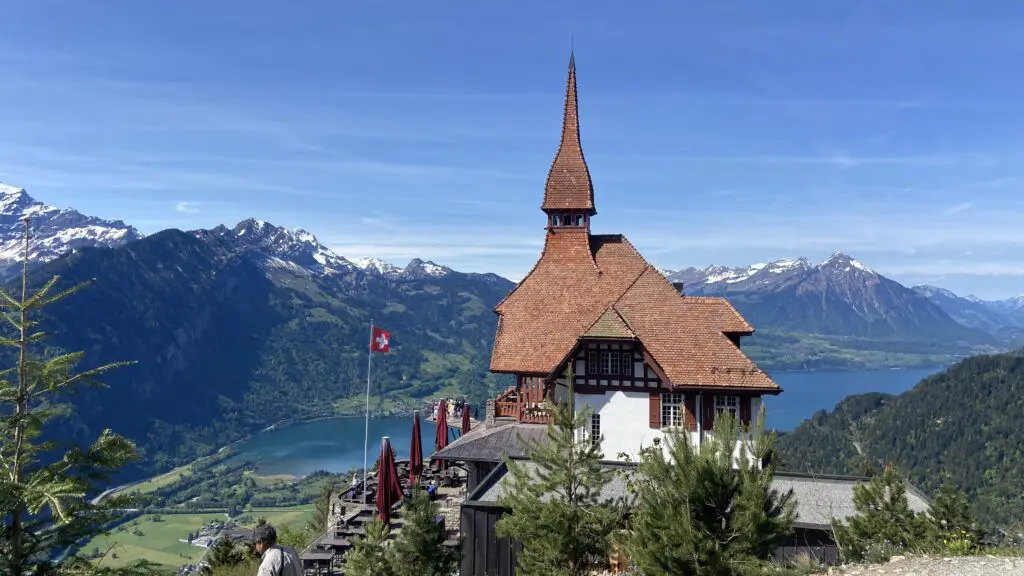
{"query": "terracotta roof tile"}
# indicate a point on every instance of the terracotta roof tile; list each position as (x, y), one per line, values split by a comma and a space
(569, 186)
(720, 313)
(577, 278)
(684, 336)
(571, 288)
(609, 325)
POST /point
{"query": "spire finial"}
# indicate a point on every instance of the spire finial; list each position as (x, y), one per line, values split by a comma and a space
(569, 186)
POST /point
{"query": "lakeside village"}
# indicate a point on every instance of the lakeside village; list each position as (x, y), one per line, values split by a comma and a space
(645, 362)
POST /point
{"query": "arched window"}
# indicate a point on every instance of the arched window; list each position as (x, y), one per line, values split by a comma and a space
(554, 219)
(579, 220)
(566, 220)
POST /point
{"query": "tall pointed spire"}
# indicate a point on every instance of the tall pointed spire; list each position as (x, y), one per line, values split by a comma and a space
(569, 186)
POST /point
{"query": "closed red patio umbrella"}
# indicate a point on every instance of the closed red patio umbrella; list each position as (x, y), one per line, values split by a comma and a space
(389, 491)
(441, 439)
(465, 419)
(415, 451)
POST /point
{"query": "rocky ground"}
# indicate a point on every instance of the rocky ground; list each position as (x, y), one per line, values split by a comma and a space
(929, 566)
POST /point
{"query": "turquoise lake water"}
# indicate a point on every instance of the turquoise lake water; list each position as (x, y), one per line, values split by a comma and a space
(336, 444)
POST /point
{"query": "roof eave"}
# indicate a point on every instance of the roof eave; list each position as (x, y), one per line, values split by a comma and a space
(744, 389)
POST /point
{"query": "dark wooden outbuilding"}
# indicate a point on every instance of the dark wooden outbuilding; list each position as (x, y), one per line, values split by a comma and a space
(819, 498)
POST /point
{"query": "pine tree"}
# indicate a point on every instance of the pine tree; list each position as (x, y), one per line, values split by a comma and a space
(369, 556)
(884, 524)
(702, 511)
(321, 510)
(297, 538)
(418, 550)
(954, 525)
(225, 552)
(43, 484)
(555, 508)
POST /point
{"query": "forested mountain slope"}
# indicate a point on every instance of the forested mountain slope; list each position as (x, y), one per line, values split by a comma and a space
(231, 334)
(967, 421)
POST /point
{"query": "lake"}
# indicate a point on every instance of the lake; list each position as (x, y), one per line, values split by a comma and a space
(336, 444)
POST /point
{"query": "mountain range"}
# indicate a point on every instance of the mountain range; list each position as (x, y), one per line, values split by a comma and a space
(236, 328)
(840, 296)
(55, 232)
(1001, 318)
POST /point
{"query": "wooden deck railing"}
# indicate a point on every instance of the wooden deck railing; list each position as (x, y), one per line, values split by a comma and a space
(524, 403)
(506, 409)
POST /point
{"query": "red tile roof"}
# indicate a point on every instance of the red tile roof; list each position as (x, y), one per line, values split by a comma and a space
(580, 278)
(569, 186)
(610, 325)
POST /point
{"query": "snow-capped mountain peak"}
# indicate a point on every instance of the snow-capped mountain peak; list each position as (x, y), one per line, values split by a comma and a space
(786, 265)
(55, 231)
(420, 268)
(844, 263)
(930, 291)
(372, 264)
(296, 246)
(765, 275)
(762, 272)
(291, 248)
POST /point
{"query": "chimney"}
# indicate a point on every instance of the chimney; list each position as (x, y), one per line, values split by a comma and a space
(678, 286)
(489, 414)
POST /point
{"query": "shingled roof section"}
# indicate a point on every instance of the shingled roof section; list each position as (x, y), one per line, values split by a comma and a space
(685, 336)
(610, 325)
(580, 276)
(569, 186)
(493, 443)
(821, 500)
(577, 278)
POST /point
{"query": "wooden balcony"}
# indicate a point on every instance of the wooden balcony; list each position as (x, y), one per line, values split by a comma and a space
(524, 403)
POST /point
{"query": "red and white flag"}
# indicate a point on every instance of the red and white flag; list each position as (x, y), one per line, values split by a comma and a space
(381, 340)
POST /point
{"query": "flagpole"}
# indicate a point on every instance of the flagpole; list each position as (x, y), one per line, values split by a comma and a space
(366, 434)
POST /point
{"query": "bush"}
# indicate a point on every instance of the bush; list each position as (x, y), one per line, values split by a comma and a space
(884, 525)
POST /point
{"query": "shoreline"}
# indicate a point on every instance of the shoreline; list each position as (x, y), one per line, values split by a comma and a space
(424, 404)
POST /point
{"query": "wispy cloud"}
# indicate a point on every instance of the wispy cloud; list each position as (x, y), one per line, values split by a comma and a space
(959, 208)
(942, 269)
(839, 160)
(186, 208)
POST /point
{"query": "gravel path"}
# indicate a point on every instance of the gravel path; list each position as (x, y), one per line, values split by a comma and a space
(924, 566)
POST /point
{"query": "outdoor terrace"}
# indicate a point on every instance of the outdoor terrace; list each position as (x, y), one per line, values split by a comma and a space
(353, 509)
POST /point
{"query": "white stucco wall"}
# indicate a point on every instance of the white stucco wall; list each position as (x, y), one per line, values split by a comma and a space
(625, 422)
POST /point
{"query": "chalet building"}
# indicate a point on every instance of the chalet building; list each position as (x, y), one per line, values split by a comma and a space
(644, 358)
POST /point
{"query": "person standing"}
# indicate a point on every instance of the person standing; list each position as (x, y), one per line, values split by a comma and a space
(275, 560)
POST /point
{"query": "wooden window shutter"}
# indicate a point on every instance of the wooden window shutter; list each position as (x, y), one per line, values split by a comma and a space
(655, 411)
(745, 410)
(709, 412)
(691, 412)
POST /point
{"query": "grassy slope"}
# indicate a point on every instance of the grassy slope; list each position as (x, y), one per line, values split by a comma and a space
(159, 541)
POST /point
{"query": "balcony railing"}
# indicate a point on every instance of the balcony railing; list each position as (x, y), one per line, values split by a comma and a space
(525, 405)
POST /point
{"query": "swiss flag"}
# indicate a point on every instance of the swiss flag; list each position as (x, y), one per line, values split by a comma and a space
(381, 340)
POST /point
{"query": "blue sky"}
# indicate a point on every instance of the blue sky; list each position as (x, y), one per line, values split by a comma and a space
(716, 133)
